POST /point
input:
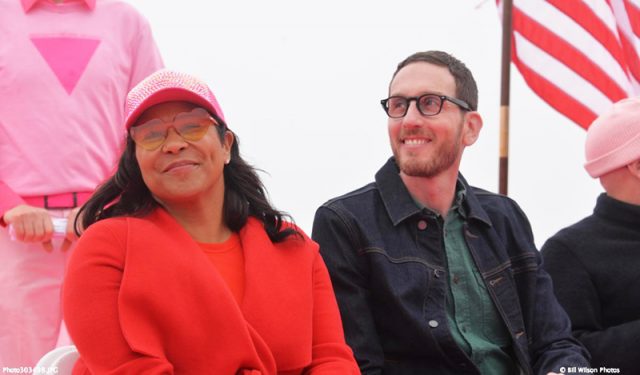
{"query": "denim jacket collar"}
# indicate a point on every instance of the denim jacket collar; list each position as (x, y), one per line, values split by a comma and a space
(400, 205)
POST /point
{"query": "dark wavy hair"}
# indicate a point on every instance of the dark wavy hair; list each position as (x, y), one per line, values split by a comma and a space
(466, 87)
(126, 194)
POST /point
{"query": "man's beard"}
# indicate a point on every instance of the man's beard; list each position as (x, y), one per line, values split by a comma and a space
(443, 158)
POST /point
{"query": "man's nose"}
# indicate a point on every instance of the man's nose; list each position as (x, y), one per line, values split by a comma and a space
(413, 115)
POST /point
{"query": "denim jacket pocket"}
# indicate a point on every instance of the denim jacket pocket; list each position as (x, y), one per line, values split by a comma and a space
(401, 286)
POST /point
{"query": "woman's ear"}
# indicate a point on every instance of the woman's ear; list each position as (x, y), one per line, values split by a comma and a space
(227, 144)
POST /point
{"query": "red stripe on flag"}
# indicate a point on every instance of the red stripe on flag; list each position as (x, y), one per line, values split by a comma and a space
(634, 16)
(557, 98)
(592, 24)
(631, 55)
(566, 53)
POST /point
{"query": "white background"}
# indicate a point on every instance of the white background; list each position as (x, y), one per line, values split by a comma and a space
(300, 83)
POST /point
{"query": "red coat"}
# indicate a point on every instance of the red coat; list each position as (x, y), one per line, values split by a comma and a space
(140, 297)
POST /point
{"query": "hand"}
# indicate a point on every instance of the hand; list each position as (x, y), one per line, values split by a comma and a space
(31, 224)
(70, 234)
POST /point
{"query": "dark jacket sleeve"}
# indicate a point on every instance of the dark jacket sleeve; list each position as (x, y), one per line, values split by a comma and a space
(577, 293)
(553, 345)
(339, 246)
(550, 342)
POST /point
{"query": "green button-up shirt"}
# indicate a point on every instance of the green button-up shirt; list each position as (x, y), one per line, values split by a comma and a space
(473, 319)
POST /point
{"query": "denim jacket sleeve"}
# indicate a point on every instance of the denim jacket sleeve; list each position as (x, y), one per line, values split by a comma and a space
(548, 328)
(553, 345)
(339, 246)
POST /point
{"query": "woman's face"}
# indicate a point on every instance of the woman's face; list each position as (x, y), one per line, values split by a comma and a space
(180, 171)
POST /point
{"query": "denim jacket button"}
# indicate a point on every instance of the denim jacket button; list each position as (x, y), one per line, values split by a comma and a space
(422, 224)
(433, 323)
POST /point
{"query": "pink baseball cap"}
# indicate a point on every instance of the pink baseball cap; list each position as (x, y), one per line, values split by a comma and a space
(168, 86)
(613, 139)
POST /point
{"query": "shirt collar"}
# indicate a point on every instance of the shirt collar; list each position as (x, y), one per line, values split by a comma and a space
(28, 4)
(395, 196)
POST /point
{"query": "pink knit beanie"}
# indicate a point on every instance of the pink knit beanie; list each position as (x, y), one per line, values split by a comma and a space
(613, 139)
(167, 86)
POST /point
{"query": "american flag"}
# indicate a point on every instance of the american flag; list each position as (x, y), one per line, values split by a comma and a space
(580, 56)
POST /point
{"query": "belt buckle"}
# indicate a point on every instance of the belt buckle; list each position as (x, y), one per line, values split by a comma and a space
(74, 195)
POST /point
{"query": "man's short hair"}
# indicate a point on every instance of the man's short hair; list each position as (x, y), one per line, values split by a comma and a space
(466, 88)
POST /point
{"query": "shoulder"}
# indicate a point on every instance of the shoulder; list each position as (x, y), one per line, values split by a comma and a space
(254, 233)
(490, 200)
(121, 10)
(366, 193)
(348, 209)
(577, 235)
(117, 6)
(104, 240)
(499, 208)
(501, 216)
(357, 202)
(113, 226)
(121, 229)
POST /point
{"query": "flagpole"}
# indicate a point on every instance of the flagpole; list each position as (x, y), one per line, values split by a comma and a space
(504, 97)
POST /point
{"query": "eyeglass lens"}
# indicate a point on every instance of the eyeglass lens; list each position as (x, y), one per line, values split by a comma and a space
(191, 126)
(428, 105)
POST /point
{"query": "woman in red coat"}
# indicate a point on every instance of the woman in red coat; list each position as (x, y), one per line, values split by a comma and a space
(185, 267)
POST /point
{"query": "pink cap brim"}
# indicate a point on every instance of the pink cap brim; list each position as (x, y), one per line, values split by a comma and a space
(171, 94)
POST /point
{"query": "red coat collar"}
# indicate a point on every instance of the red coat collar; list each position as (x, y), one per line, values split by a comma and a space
(277, 287)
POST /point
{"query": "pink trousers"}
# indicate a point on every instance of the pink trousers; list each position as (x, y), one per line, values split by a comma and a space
(30, 311)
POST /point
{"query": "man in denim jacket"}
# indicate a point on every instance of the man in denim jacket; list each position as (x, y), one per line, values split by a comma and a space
(433, 275)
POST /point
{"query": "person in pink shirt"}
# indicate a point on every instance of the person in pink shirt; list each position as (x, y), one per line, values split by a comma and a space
(65, 69)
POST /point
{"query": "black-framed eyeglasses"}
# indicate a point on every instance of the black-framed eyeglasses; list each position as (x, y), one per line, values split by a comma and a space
(428, 104)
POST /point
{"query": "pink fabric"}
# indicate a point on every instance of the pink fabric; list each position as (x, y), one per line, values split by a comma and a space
(67, 57)
(613, 139)
(30, 306)
(168, 85)
(28, 4)
(67, 141)
(61, 130)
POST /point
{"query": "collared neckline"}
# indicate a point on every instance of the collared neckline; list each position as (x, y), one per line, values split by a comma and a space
(400, 205)
(395, 196)
(27, 5)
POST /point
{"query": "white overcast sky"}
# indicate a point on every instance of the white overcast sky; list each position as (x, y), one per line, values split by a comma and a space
(300, 83)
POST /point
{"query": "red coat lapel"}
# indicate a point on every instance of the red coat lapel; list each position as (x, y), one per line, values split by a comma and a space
(173, 304)
(279, 292)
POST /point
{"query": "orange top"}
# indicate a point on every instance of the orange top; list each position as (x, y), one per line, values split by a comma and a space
(228, 259)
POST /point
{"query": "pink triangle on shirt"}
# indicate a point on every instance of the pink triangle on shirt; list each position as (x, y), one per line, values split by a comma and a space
(67, 57)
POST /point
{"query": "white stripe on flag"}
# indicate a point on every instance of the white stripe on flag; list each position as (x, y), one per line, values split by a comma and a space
(566, 51)
(564, 78)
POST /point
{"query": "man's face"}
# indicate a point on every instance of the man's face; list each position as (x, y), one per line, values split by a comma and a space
(425, 146)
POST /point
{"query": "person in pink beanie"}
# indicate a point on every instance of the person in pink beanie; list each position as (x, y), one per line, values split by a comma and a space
(595, 262)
